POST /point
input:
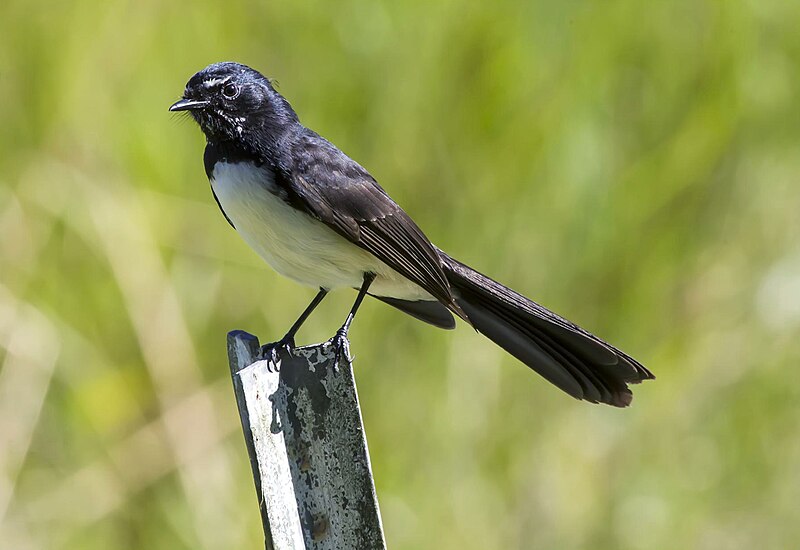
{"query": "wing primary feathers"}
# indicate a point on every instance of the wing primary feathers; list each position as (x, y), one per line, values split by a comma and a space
(333, 188)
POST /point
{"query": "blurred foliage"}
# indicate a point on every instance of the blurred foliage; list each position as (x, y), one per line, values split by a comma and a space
(632, 165)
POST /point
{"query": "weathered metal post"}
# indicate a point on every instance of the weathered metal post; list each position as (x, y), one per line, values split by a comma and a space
(305, 437)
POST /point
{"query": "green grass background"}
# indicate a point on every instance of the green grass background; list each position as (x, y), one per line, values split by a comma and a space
(632, 165)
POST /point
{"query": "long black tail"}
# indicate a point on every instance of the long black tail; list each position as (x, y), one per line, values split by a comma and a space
(576, 361)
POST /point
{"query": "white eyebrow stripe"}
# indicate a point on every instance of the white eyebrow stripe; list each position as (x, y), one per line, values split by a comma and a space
(215, 81)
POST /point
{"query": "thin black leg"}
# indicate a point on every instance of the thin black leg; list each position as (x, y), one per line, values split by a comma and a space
(340, 343)
(368, 278)
(270, 351)
(303, 316)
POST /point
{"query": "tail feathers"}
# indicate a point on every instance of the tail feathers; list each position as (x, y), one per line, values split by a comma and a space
(432, 312)
(573, 359)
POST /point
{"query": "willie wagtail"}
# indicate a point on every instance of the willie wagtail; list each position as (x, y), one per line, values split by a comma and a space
(318, 217)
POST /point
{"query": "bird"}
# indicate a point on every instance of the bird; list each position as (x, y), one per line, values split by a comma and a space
(318, 217)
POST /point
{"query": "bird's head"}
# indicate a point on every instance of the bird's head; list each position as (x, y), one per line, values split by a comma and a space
(230, 100)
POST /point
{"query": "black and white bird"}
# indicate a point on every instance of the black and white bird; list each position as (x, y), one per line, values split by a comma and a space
(318, 217)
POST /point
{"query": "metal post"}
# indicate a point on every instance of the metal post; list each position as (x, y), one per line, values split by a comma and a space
(305, 437)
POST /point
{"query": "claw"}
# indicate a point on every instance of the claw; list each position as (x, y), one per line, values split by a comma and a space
(271, 352)
(341, 346)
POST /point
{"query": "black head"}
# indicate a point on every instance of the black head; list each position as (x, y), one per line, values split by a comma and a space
(230, 101)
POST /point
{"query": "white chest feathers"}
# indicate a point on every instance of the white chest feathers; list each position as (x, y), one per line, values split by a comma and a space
(292, 242)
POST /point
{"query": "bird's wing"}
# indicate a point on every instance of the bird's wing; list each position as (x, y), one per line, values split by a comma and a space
(325, 183)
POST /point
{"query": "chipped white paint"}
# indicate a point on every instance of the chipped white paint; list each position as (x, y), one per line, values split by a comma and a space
(305, 436)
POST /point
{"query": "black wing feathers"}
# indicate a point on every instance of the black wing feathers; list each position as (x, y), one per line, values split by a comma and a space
(323, 182)
(327, 184)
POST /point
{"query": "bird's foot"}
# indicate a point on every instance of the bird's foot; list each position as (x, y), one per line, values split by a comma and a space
(341, 347)
(271, 352)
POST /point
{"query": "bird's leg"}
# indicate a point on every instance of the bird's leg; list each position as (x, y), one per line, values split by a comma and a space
(270, 351)
(339, 342)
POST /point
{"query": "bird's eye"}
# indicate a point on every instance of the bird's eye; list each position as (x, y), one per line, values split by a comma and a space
(230, 90)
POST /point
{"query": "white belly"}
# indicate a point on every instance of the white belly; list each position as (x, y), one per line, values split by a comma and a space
(295, 244)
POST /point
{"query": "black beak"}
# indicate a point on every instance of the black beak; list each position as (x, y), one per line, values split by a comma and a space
(188, 105)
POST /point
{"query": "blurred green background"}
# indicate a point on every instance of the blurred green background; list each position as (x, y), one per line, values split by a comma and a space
(632, 165)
